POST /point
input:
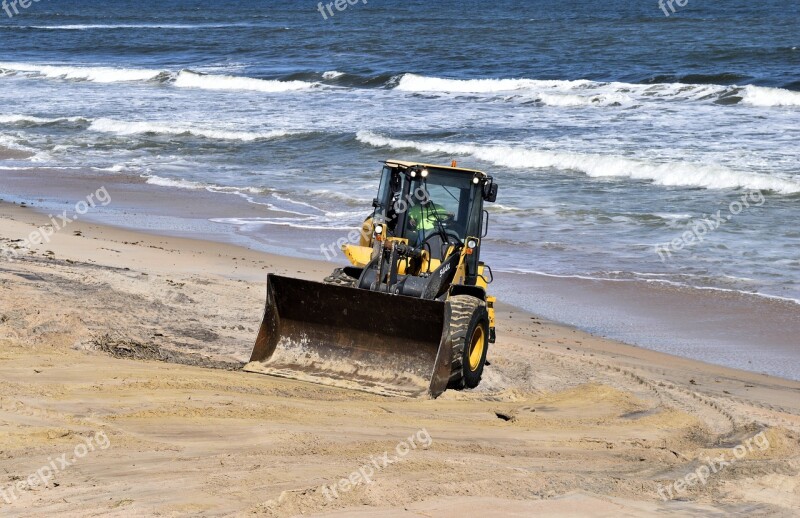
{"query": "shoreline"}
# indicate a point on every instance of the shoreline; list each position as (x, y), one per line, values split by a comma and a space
(703, 324)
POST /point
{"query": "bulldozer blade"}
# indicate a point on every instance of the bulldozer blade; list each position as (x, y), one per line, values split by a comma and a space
(353, 338)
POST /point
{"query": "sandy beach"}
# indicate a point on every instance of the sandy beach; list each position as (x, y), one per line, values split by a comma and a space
(137, 339)
(605, 200)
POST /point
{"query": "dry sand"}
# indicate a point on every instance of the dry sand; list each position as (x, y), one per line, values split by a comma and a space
(139, 338)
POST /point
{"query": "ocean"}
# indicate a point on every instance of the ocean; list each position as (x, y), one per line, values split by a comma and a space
(630, 146)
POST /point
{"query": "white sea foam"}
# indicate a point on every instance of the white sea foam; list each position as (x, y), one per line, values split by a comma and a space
(187, 79)
(594, 165)
(179, 183)
(570, 100)
(416, 83)
(94, 74)
(161, 128)
(332, 74)
(673, 217)
(306, 223)
(767, 97)
(182, 183)
(116, 168)
(184, 79)
(11, 142)
(295, 202)
(560, 94)
(587, 93)
(29, 119)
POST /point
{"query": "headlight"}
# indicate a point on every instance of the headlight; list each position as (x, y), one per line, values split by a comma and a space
(413, 174)
(476, 180)
(424, 173)
(379, 229)
(472, 244)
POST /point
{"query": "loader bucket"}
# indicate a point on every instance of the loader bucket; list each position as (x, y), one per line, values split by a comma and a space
(353, 338)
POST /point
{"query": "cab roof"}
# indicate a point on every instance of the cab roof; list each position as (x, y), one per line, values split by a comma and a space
(405, 163)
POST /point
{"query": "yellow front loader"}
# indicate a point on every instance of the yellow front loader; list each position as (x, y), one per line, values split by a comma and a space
(411, 316)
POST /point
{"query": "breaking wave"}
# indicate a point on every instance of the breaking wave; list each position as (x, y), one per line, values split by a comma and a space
(182, 79)
(597, 166)
(415, 83)
(188, 79)
(587, 93)
(158, 128)
(94, 74)
(767, 97)
(28, 119)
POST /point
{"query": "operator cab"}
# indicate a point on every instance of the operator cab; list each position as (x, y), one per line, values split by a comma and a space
(433, 207)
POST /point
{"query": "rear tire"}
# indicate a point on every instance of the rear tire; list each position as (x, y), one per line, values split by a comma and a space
(469, 339)
(340, 278)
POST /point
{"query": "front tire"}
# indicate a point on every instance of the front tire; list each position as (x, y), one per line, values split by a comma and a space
(469, 340)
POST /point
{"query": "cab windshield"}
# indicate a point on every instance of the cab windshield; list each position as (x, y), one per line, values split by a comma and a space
(438, 208)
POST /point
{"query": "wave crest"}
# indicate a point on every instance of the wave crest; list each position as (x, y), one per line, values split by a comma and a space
(159, 128)
(591, 93)
(188, 79)
(94, 74)
(681, 174)
(768, 97)
(416, 83)
(29, 119)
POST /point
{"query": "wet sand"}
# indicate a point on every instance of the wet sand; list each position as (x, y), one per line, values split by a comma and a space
(728, 328)
(140, 337)
(13, 154)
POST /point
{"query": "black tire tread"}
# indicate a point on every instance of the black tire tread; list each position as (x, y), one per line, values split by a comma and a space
(463, 308)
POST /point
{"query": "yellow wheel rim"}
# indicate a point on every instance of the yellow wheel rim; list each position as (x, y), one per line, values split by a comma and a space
(476, 346)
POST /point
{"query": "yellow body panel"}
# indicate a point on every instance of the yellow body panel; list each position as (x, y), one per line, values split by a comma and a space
(367, 231)
(461, 270)
(358, 255)
(428, 264)
(481, 279)
(490, 307)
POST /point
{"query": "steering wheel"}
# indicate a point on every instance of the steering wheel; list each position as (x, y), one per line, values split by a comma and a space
(450, 235)
(446, 225)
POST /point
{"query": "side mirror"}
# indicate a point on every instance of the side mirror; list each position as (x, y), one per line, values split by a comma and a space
(490, 192)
